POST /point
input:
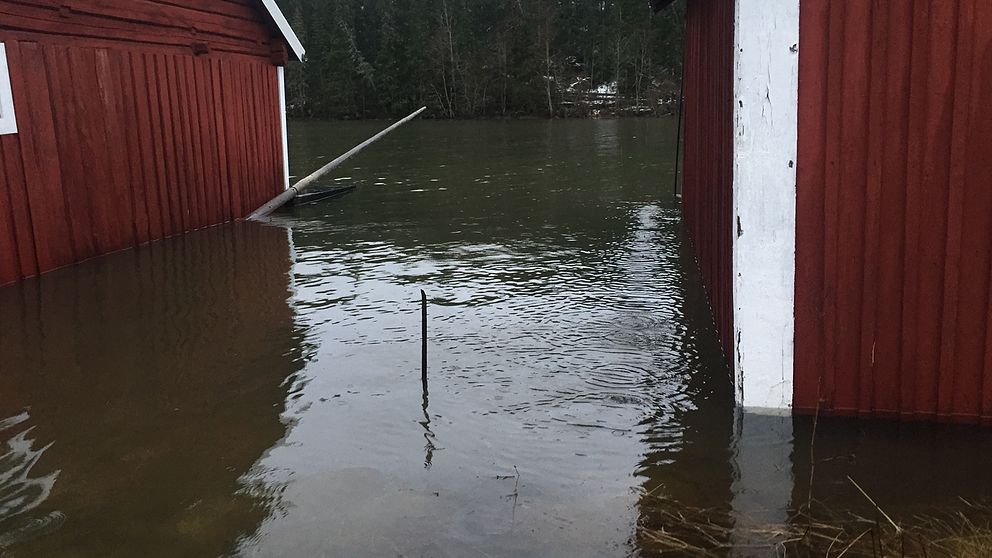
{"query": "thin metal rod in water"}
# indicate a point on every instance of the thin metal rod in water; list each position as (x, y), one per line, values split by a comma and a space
(298, 188)
(678, 133)
(423, 315)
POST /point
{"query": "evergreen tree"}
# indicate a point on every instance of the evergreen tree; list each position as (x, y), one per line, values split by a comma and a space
(471, 58)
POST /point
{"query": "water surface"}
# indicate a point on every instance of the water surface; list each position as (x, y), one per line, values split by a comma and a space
(255, 390)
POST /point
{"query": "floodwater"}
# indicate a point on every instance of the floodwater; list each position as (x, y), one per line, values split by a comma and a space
(255, 390)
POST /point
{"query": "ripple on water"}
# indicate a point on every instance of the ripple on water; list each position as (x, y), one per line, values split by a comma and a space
(558, 343)
(22, 489)
(594, 327)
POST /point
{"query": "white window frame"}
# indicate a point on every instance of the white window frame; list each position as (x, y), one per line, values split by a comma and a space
(8, 121)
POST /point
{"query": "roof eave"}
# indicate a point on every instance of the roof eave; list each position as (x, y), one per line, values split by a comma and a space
(659, 5)
(295, 46)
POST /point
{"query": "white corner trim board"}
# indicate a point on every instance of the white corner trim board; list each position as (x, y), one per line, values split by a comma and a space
(8, 120)
(287, 31)
(285, 130)
(766, 99)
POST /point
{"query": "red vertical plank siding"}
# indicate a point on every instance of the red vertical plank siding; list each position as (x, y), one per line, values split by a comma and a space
(978, 193)
(831, 201)
(186, 167)
(121, 145)
(873, 193)
(707, 188)
(27, 261)
(952, 379)
(208, 160)
(194, 163)
(258, 101)
(169, 152)
(115, 125)
(70, 152)
(40, 157)
(934, 214)
(88, 136)
(913, 158)
(270, 76)
(886, 355)
(220, 131)
(267, 133)
(235, 127)
(10, 265)
(135, 158)
(810, 222)
(850, 186)
(974, 298)
(894, 239)
(244, 98)
(183, 188)
(152, 167)
(255, 136)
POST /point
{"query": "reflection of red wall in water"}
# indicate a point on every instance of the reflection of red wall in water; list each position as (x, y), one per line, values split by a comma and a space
(707, 202)
(894, 257)
(128, 131)
(158, 376)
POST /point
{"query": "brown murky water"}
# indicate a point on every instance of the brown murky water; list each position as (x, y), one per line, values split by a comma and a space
(254, 390)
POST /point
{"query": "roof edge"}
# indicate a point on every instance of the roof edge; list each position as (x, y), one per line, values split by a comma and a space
(287, 31)
(659, 5)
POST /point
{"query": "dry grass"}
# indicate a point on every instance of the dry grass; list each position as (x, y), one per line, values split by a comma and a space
(676, 530)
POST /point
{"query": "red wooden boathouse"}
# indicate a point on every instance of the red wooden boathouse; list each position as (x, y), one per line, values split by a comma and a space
(123, 122)
(838, 191)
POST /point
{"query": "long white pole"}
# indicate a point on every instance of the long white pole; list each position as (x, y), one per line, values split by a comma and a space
(311, 180)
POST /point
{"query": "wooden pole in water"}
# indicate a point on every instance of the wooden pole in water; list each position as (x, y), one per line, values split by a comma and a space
(423, 316)
(283, 198)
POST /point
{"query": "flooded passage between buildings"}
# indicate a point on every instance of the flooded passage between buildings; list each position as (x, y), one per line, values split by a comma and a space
(255, 390)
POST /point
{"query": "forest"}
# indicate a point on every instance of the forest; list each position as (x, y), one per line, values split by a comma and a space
(484, 58)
